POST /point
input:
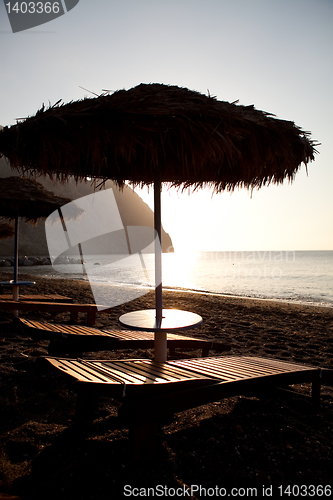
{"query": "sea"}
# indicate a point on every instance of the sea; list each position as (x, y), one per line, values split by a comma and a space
(304, 277)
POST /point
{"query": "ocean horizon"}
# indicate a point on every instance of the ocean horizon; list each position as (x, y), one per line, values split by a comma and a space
(304, 277)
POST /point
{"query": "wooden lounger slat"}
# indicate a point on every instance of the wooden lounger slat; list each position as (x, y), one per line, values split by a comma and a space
(49, 327)
(130, 335)
(257, 366)
(225, 372)
(145, 371)
(114, 376)
(126, 374)
(275, 364)
(172, 367)
(74, 369)
(53, 327)
(248, 364)
(77, 368)
(246, 370)
(164, 371)
(127, 335)
(210, 369)
(233, 369)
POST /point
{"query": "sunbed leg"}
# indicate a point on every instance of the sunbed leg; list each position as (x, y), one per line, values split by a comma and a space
(143, 440)
(205, 350)
(57, 347)
(315, 393)
(85, 411)
(52, 348)
(91, 317)
(74, 316)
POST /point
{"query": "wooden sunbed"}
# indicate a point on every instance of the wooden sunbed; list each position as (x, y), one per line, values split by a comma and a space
(150, 391)
(53, 297)
(78, 339)
(54, 307)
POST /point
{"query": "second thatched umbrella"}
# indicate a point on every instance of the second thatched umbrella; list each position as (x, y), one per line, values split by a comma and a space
(157, 133)
(6, 230)
(29, 200)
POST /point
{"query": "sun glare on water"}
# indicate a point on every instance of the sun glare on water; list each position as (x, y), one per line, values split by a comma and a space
(177, 268)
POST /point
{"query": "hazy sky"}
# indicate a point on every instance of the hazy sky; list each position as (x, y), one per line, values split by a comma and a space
(275, 54)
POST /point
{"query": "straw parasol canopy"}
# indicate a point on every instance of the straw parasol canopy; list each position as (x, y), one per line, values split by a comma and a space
(27, 198)
(187, 138)
(157, 133)
(6, 230)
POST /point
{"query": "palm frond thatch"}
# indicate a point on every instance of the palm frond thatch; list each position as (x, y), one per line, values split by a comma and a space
(188, 138)
(27, 198)
(6, 230)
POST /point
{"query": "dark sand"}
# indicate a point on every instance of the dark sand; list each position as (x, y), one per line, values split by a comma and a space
(239, 442)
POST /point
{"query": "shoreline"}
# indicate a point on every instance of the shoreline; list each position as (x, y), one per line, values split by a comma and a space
(183, 290)
(277, 301)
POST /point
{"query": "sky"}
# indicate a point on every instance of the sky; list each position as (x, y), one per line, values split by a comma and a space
(274, 54)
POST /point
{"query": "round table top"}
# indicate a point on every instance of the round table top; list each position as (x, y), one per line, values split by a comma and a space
(172, 320)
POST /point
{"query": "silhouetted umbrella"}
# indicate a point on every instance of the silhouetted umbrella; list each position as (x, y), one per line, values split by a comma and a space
(6, 230)
(156, 133)
(28, 199)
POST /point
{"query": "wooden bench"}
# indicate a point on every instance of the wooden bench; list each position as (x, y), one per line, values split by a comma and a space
(54, 307)
(76, 339)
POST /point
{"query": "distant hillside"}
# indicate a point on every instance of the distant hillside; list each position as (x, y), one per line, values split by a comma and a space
(32, 239)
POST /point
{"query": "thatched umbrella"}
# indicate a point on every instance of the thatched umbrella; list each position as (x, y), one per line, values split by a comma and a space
(6, 230)
(27, 199)
(156, 133)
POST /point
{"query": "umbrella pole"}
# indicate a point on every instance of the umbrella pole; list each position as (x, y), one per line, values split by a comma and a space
(15, 287)
(160, 340)
(16, 249)
(158, 251)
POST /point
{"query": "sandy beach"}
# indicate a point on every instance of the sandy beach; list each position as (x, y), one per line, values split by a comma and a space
(239, 442)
